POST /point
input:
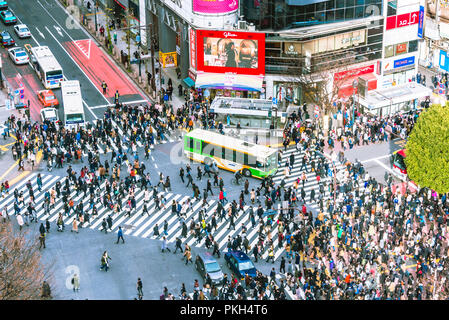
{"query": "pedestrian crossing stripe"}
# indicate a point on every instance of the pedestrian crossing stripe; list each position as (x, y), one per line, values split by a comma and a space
(142, 225)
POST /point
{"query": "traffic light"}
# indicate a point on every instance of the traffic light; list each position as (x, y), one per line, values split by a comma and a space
(270, 113)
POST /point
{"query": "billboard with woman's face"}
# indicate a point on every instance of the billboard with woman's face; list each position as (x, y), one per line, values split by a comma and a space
(229, 51)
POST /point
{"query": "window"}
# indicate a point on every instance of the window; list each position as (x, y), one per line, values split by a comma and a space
(349, 13)
(413, 46)
(389, 51)
(340, 14)
(392, 8)
(191, 143)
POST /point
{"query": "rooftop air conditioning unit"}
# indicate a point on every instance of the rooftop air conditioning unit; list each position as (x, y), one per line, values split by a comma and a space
(252, 27)
(242, 25)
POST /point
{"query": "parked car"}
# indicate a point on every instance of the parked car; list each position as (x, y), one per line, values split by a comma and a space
(6, 39)
(205, 264)
(22, 31)
(50, 114)
(240, 264)
(8, 17)
(18, 55)
(47, 98)
(3, 5)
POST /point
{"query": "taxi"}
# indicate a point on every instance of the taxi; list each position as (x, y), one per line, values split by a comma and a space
(47, 98)
(3, 5)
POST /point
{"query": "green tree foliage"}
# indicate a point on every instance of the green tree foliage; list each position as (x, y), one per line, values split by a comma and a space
(427, 150)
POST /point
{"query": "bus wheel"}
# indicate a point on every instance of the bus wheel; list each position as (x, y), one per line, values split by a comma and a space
(246, 173)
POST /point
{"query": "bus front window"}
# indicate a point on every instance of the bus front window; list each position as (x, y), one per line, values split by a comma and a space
(55, 74)
(271, 162)
(74, 118)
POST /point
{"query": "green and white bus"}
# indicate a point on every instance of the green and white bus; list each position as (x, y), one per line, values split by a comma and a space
(231, 154)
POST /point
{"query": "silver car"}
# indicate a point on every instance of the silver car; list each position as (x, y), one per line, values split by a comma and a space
(18, 55)
(50, 114)
(22, 31)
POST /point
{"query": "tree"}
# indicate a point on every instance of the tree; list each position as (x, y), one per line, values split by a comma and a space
(427, 148)
(21, 270)
(322, 87)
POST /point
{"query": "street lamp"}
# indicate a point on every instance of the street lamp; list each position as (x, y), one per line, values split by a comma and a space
(95, 12)
(354, 86)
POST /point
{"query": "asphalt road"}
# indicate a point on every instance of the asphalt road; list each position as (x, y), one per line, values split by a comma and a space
(51, 26)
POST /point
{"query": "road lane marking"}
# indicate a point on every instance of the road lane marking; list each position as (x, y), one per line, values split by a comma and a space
(378, 158)
(67, 52)
(113, 105)
(41, 34)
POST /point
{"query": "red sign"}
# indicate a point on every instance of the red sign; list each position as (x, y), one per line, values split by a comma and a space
(193, 48)
(353, 73)
(231, 51)
(401, 48)
(402, 20)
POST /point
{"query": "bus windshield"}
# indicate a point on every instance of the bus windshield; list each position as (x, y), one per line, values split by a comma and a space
(55, 74)
(271, 162)
(74, 118)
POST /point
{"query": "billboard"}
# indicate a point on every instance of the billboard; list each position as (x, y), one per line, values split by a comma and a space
(192, 34)
(231, 51)
(215, 6)
(169, 59)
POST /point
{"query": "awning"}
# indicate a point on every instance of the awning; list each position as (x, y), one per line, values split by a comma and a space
(189, 82)
(347, 90)
(229, 81)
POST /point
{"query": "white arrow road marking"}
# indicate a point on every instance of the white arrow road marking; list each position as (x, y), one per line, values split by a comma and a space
(58, 29)
(41, 34)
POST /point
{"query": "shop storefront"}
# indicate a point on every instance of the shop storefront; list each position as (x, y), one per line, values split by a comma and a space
(399, 71)
(388, 101)
(344, 80)
(229, 85)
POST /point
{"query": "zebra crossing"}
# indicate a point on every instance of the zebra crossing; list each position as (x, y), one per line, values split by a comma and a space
(171, 137)
(295, 173)
(139, 225)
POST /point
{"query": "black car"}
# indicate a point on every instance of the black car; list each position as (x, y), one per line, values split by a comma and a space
(240, 264)
(205, 263)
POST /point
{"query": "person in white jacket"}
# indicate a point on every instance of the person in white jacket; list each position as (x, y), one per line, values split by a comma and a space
(20, 221)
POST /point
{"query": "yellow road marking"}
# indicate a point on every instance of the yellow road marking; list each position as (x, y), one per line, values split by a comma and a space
(38, 159)
(19, 177)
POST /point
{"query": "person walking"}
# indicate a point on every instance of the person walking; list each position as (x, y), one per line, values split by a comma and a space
(178, 245)
(139, 289)
(104, 85)
(20, 221)
(105, 261)
(74, 225)
(120, 235)
(41, 240)
(76, 282)
(164, 245)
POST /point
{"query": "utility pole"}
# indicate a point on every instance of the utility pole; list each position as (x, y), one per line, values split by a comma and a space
(128, 36)
(151, 43)
(95, 11)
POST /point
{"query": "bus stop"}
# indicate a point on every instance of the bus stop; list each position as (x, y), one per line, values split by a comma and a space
(250, 113)
(388, 101)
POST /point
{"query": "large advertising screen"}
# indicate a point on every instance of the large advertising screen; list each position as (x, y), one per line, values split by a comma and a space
(230, 51)
(215, 6)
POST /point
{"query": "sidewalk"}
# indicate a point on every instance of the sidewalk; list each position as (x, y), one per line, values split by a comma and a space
(122, 45)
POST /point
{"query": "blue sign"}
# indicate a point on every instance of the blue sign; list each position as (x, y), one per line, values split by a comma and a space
(444, 60)
(404, 62)
(421, 22)
(275, 101)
